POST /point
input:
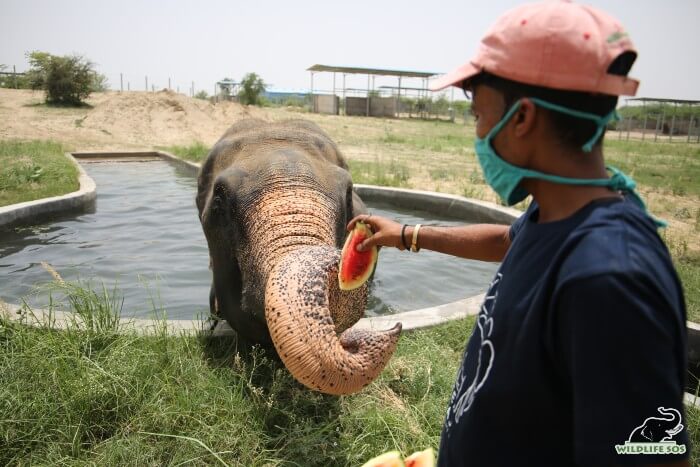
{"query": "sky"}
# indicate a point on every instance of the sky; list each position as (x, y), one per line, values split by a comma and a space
(206, 40)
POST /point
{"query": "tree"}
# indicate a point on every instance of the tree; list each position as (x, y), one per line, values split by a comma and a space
(67, 80)
(202, 95)
(252, 87)
(99, 83)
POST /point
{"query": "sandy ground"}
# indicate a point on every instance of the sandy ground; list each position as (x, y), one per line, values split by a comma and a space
(116, 120)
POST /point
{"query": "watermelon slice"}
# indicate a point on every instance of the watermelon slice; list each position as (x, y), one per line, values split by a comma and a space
(356, 266)
(388, 459)
(421, 459)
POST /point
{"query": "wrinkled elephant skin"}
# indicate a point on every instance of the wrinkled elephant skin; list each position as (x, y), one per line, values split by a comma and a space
(274, 200)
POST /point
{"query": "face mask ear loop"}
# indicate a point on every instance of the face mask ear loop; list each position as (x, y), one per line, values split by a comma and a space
(602, 123)
(622, 182)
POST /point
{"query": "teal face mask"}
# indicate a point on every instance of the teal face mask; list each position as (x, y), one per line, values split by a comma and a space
(505, 178)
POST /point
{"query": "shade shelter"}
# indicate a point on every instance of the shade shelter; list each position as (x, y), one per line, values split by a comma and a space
(368, 102)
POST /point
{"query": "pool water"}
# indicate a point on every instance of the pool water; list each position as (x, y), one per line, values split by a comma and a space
(144, 240)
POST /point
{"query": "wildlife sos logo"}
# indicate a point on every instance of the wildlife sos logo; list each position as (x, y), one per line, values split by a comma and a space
(655, 435)
(476, 367)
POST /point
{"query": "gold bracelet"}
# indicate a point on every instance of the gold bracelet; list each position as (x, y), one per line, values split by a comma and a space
(414, 242)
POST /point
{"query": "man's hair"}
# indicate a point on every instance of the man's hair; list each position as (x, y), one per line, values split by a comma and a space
(571, 131)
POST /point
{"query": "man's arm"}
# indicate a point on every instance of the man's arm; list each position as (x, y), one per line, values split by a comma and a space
(484, 242)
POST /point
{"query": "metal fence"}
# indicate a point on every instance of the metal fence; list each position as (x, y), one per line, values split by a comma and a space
(656, 119)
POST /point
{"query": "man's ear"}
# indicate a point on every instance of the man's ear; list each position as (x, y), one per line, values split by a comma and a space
(525, 117)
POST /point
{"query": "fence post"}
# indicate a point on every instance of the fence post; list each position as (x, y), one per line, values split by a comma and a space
(619, 132)
(644, 128)
(168, 83)
(368, 98)
(14, 75)
(690, 127)
(121, 82)
(146, 83)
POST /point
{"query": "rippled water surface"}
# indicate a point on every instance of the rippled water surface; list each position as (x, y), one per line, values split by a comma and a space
(145, 240)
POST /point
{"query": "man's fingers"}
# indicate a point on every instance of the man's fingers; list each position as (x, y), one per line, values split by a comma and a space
(361, 218)
(354, 220)
(369, 242)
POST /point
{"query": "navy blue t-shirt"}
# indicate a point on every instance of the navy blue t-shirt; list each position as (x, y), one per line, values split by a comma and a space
(579, 349)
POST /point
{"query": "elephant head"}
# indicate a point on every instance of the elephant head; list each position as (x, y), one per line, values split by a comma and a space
(657, 429)
(274, 200)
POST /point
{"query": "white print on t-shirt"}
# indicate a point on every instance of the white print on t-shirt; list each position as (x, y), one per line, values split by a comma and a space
(463, 395)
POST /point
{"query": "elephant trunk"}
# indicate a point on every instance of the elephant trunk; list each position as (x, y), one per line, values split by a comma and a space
(305, 310)
(674, 419)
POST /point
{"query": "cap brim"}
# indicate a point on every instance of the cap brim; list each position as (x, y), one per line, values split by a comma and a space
(455, 77)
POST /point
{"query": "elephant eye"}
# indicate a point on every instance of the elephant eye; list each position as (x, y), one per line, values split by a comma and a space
(216, 204)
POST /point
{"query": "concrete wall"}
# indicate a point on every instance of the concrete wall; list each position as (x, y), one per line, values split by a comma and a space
(382, 106)
(326, 104)
(378, 106)
(355, 106)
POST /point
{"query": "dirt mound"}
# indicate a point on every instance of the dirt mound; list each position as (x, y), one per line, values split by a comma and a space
(120, 120)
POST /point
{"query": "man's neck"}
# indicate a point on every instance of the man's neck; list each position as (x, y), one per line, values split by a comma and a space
(558, 201)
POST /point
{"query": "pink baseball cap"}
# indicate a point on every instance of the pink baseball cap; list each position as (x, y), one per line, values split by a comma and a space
(553, 44)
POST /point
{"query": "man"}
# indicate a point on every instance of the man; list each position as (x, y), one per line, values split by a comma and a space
(578, 356)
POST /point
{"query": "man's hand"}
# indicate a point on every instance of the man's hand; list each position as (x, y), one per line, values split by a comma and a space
(386, 232)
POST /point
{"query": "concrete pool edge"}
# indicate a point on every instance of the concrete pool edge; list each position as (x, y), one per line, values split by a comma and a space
(439, 204)
(41, 208)
(410, 320)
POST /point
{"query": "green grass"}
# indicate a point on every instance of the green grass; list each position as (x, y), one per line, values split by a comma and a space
(195, 152)
(687, 264)
(90, 395)
(31, 170)
(692, 416)
(671, 167)
(392, 173)
(442, 173)
(432, 137)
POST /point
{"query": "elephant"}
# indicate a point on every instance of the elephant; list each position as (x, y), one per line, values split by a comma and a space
(657, 429)
(274, 199)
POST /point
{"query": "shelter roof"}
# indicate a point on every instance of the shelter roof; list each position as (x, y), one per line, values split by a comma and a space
(372, 71)
(668, 101)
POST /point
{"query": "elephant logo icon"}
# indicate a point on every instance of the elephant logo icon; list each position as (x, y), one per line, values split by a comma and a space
(658, 429)
(655, 435)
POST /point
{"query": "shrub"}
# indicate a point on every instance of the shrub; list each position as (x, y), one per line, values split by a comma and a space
(202, 95)
(252, 87)
(99, 83)
(67, 80)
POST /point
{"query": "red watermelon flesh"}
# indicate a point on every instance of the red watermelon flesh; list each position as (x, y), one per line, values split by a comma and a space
(356, 266)
(421, 459)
